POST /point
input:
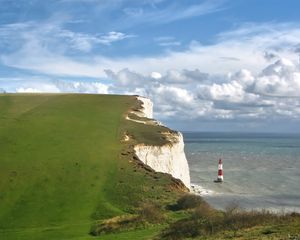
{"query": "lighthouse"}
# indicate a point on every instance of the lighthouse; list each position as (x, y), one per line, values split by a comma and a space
(220, 172)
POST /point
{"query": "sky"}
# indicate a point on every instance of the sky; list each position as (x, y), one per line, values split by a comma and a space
(208, 65)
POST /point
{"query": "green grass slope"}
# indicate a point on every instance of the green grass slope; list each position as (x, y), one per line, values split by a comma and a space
(62, 167)
(66, 172)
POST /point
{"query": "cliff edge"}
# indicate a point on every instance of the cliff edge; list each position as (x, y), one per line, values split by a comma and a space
(167, 157)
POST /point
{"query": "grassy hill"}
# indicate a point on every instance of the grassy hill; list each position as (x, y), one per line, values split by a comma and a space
(66, 173)
(62, 165)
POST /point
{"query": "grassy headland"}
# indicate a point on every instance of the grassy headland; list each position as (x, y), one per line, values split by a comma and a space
(65, 173)
(62, 165)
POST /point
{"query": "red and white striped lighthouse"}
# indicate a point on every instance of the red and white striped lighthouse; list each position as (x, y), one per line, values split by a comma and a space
(220, 171)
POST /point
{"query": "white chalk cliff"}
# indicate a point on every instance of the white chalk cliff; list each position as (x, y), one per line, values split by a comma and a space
(147, 107)
(169, 158)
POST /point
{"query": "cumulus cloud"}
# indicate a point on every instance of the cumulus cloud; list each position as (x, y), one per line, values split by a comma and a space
(281, 79)
(62, 86)
(273, 93)
(184, 76)
(194, 94)
(156, 75)
(81, 87)
(125, 77)
(201, 82)
(270, 55)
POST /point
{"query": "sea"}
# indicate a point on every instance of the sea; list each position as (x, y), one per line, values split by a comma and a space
(261, 170)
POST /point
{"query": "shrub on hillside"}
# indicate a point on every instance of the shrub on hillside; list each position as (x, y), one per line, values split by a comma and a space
(205, 221)
(208, 217)
(147, 213)
(200, 223)
(151, 212)
(245, 219)
(115, 224)
(184, 228)
(187, 201)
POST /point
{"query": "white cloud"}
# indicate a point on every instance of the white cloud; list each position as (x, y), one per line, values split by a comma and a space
(248, 51)
(170, 13)
(62, 86)
(51, 64)
(169, 44)
(39, 89)
(113, 37)
(53, 34)
(45, 48)
(167, 41)
(174, 95)
(191, 94)
(281, 79)
(230, 53)
(125, 77)
(232, 91)
(184, 76)
(81, 87)
(224, 80)
(156, 75)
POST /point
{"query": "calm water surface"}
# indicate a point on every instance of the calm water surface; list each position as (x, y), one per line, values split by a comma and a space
(260, 170)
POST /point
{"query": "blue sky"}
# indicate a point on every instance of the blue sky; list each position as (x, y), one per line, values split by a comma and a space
(217, 65)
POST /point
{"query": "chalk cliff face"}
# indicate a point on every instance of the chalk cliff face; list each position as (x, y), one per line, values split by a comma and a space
(147, 107)
(169, 158)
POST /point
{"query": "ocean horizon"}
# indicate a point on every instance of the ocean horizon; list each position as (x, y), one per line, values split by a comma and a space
(260, 169)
